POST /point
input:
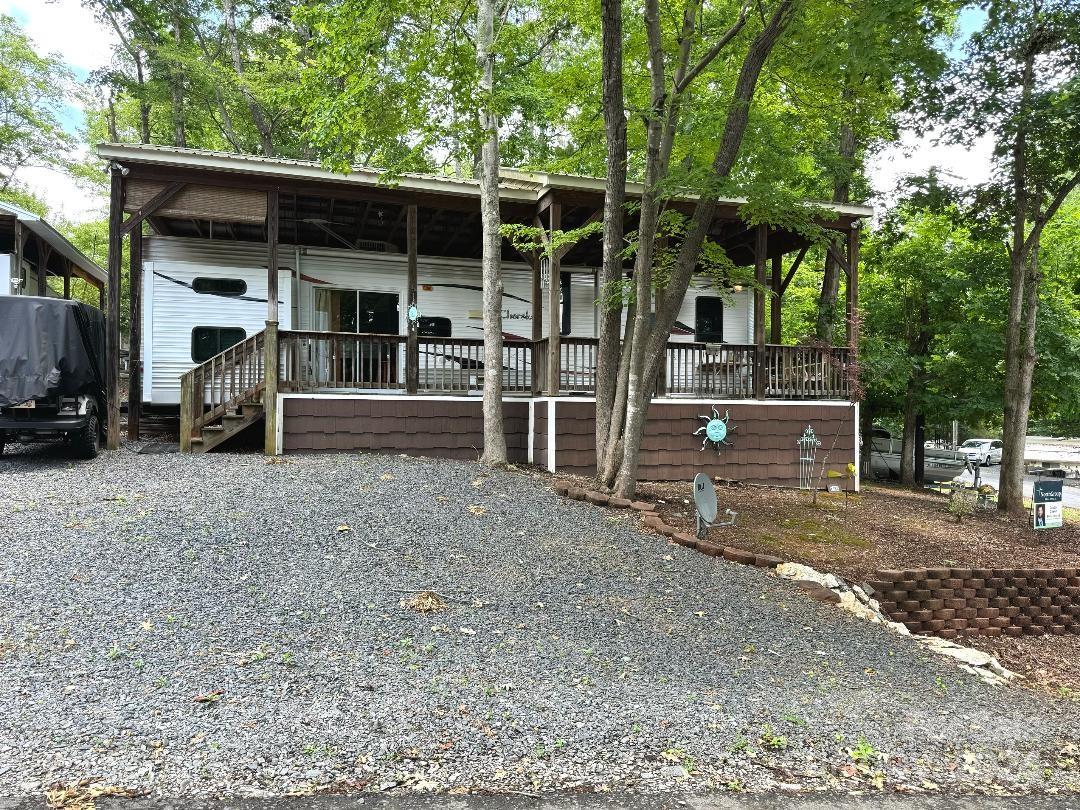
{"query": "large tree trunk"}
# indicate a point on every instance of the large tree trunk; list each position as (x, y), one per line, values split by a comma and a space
(491, 267)
(648, 355)
(607, 353)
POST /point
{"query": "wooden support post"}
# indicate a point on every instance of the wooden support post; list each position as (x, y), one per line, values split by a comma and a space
(554, 319)
(44, 253)
(776, 311)
(187, 411)
(853, 291)
(101, 296)
(412, 341)
(67, 280)
(135, 252)
(20, 242)
(537, 299)
(761, 246)
(271, 360)
(112, 317)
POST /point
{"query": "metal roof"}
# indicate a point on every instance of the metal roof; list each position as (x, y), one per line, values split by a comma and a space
(516, 185)
(57, 241)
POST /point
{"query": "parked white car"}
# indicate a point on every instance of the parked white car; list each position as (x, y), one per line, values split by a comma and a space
(982, 451)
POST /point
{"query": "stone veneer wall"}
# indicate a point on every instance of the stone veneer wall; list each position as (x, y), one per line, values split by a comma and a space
(950, 602)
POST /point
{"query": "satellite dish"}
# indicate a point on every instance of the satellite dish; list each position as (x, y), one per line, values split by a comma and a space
(705, 497)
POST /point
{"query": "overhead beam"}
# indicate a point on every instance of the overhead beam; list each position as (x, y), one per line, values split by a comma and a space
(150, 206)
(595, 216)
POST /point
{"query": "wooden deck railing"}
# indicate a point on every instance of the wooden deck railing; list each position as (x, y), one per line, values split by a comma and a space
(313, 361)
(220, 384)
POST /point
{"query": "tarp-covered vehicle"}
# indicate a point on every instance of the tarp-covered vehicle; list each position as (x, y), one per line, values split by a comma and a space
(52, 372)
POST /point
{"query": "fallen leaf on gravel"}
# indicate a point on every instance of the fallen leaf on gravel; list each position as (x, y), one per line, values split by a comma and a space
(275, 460)
(477, 482)
(442, 498)
(147, 625)
(344, 527)
(466, 631)
(476, 509)
(210, 697)
(386, 477)
(82, 794)
(424, 602)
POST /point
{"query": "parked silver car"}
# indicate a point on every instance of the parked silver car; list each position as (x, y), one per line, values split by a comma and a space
(982, 451)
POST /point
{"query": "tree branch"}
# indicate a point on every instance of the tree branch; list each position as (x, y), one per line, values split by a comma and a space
(715, 50)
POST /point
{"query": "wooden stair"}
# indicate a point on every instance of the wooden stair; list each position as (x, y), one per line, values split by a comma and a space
(210, 436)
(223, 396)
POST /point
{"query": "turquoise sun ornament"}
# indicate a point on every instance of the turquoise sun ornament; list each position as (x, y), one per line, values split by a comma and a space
(716, 430)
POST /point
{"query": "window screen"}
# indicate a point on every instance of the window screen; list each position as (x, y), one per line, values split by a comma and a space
(433, 327)
(206, 341)
(709, 319)
(219, 286)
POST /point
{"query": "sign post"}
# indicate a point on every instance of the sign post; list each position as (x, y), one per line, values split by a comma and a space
(1046, 505)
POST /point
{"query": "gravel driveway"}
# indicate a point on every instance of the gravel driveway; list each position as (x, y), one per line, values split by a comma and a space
(215, 625)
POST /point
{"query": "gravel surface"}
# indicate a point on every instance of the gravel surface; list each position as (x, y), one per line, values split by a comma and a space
(216, 625)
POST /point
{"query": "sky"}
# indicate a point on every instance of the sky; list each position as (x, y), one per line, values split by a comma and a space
(66, 28)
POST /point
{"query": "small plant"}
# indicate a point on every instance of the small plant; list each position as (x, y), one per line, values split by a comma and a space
(961, 504)
(770, 740)
(863, 752)
(160, 682)
(288, 659)
(114, 652)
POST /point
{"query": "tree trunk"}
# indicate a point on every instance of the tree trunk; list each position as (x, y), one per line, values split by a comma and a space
(648, 355)
(907, 445)
(830, 281)
(491, 266)
(177, 82)
(258, 114)
(607, 352)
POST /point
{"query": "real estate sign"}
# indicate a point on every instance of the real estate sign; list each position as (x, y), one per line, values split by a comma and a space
(1046, 505)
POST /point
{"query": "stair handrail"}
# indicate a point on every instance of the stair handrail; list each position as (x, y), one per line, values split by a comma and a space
(219, 384)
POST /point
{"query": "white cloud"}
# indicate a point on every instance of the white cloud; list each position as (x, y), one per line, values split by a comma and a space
(66, 28)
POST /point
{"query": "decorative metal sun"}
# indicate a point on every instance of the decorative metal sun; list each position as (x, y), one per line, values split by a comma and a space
(716, 430)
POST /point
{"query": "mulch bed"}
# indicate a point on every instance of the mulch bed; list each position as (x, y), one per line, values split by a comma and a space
(883, 528)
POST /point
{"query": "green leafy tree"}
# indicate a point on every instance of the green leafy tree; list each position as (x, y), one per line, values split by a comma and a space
(1020, 83)
(33, 92)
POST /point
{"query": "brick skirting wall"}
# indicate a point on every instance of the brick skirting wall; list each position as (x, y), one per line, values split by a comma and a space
(418, 426)
(764, 444)
(951, 602)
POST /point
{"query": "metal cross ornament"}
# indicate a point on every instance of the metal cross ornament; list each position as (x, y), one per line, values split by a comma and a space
(716, 430)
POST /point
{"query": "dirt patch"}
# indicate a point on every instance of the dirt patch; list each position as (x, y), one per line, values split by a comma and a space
(883, 527)
(1049, 662)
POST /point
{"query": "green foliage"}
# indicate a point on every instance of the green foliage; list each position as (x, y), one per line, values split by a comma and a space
(32, 97)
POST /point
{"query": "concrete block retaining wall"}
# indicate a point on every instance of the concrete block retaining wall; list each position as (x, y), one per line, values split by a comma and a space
(951, 602)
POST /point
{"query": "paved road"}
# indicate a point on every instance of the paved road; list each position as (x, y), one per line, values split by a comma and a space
(990, 475)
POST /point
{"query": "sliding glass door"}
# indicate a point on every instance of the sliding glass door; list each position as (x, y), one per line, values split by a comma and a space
(362, 361)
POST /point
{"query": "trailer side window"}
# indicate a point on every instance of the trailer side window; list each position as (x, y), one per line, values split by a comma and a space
(207, 285)
(709, 319)
(433, 327)
(206, 341)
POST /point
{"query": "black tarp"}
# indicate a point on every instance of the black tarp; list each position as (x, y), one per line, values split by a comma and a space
(50, 347)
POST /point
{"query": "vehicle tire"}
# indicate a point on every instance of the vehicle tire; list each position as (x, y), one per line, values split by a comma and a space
(987, 462)
(85, 443)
